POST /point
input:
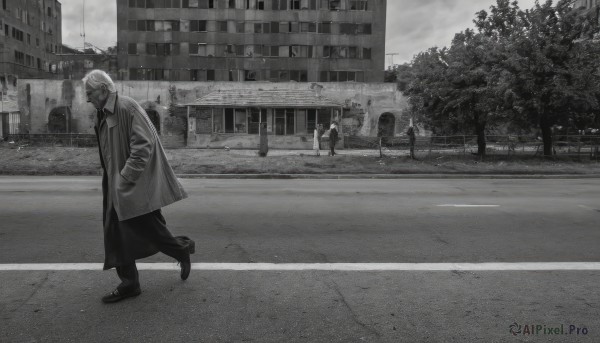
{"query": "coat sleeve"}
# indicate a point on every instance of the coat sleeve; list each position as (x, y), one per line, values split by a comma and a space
(141, 144)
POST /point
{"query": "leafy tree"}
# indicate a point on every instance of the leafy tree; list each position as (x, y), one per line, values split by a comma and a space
(550, 72)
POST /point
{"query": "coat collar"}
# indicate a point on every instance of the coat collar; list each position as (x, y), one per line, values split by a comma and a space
(109, 109)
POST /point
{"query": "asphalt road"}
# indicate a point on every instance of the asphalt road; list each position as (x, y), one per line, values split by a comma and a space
(58, 220)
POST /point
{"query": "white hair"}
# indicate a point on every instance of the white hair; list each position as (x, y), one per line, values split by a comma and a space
(96, 78)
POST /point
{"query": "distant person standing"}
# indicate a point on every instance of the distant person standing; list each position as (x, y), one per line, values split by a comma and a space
(333, 137)
(411, 140)
(317, 140)
(137, 181)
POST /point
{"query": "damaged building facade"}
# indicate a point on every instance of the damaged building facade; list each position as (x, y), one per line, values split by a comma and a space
(30, 37)
(220, 114)
(252, 40)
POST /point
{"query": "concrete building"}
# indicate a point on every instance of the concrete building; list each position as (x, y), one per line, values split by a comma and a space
(586, 3)
(31, 36)
(74, 64)
(219, 114)
(252, 40)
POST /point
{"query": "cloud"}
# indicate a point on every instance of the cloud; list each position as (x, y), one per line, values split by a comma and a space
(100, 23)
(415, 26)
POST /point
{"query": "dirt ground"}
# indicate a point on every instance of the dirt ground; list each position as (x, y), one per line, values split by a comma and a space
(85, 161)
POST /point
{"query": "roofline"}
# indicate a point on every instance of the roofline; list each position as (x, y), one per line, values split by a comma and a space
(258, 106)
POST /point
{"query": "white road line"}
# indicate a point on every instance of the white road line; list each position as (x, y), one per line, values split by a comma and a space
(358, 267)
(466, 205)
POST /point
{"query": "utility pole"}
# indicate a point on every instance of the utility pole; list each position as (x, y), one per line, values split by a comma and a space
(82, 33)
(392, 54)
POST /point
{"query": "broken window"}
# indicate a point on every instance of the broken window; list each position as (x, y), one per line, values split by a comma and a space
(250, 75)
(210, 75)
(284, 75)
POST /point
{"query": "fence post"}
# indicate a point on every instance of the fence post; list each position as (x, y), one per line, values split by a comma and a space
(380, 153)
(464, 145)
(579, 147)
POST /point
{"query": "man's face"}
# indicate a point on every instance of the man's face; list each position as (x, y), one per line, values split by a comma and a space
(96, 96)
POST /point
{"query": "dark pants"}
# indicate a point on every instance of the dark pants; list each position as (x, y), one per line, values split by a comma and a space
(151, 230)
(332, 148)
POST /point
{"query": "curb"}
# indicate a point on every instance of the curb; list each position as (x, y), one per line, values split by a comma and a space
(385, 176)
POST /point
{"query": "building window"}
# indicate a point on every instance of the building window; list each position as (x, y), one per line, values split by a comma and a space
(132, 49)
(366, 54)
(19, 57)
(222, 26)
(308, 27)
(294, 4)
(324, 27)
(260, 4)
(4, 5)
(198, 26)
(360, 5)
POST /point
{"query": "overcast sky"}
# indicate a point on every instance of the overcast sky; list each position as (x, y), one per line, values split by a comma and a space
(412, 25)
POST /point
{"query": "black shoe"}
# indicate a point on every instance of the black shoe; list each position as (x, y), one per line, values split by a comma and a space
(115, 295)
(186, 267)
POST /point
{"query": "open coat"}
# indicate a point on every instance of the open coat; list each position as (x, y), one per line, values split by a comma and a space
(137, 176)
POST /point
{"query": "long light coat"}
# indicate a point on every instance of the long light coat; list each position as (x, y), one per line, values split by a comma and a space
(137, 176)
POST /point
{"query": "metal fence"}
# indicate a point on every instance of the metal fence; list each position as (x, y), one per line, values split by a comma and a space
(576, 146)
(54, 139)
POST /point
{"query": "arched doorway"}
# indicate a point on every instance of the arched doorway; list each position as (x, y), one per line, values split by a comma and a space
(387, 125)
(155, 119)
(58, 120)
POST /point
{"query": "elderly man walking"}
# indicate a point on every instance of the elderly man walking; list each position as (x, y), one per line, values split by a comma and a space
(137, 182)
